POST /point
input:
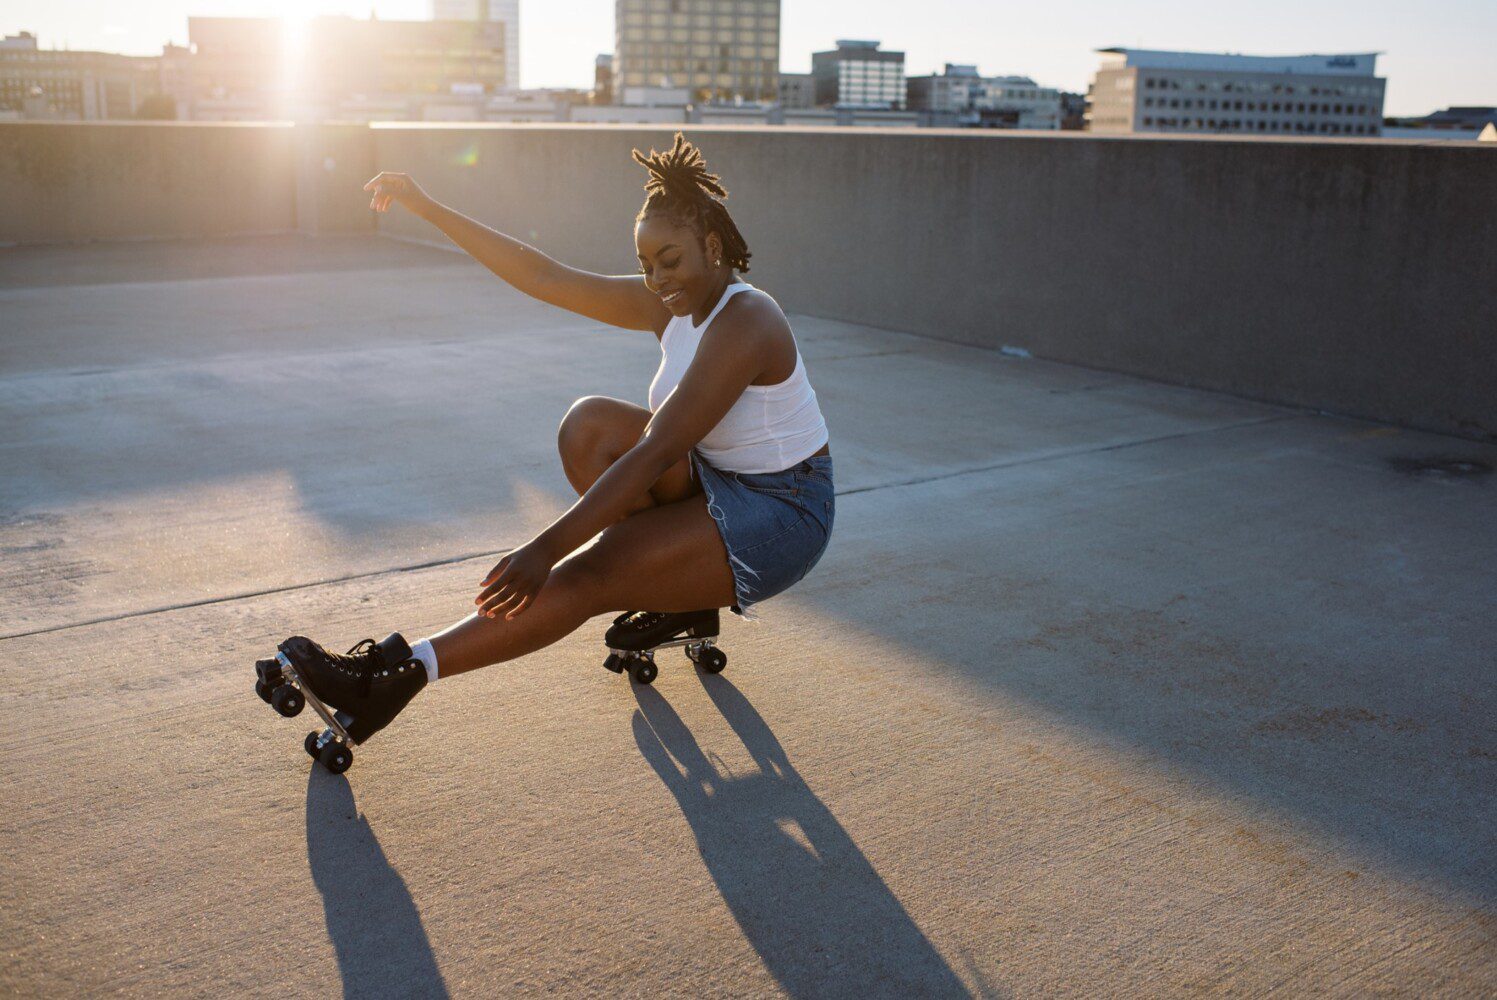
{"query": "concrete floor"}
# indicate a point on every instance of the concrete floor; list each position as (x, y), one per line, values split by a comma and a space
(1103, 686)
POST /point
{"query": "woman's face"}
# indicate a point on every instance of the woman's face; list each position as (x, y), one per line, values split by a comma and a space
(674, 264)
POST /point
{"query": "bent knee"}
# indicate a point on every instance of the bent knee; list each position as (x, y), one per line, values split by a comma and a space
(600, 422)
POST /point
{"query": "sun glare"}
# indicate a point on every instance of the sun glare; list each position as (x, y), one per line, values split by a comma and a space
(294, 18)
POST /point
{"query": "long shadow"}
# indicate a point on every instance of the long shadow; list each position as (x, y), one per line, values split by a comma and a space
(1277, 614)
(376, 931)
(820, 917)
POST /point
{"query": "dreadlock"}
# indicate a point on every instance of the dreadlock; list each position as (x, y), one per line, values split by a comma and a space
(681, 187)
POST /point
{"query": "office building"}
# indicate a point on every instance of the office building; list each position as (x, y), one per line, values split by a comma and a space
(1140, 90)
(857, 75)
(51, 84)
(339, 68)
(966, 98)
(603, 79)
(718, 50)
(797, 90)
(505, 12)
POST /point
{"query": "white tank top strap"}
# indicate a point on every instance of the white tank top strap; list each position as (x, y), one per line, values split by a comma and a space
(722, 300)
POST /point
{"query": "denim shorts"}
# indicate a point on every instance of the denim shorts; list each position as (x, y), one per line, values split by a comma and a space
(775, 525)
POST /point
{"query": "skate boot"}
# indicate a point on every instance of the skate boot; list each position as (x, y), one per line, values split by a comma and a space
(636, 635)
(357, 693)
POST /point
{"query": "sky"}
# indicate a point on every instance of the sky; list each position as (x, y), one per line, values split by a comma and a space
(1436, 52)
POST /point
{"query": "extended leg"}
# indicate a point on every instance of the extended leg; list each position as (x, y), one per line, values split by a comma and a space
(667, 558)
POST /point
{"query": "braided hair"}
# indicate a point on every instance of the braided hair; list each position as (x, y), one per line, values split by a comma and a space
(682, 189)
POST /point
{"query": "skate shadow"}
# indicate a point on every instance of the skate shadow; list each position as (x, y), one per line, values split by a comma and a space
(372, 920)
(813, 907)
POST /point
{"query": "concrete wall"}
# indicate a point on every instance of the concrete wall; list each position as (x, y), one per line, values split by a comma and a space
(1353, 276)
(1357, 277)
(65, 182)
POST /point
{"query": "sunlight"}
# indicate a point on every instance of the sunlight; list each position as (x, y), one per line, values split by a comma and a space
(294, 21)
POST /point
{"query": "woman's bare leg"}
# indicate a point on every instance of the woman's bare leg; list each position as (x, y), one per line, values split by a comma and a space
(614, 572)
(666, 558)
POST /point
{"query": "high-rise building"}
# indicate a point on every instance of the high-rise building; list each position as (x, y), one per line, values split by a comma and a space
(718, 50)
(1139, 90)
(857, 75)
(506, 12)
(988, 101)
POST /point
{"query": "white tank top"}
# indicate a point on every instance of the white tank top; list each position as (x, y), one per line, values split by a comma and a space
(770, 427)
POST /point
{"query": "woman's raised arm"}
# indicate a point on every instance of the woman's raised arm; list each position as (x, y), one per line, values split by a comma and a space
(618, 300)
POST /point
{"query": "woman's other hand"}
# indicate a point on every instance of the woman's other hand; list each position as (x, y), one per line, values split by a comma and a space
(514, 581)
(388, 187)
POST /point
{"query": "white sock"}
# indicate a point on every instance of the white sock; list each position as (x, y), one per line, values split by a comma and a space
(422, 651)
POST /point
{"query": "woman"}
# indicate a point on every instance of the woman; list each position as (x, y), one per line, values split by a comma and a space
(720, 494)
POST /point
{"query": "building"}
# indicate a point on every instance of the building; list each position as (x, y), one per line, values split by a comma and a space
(719, 50)
(1454, 123)
(339, 68)
(1072, 111)
(505, 12)
(51, 84)
(1140, 90)
(961, 96)
(797, 90)
(1454, 119)
(857, 75)
(656, 97)
(603, 79)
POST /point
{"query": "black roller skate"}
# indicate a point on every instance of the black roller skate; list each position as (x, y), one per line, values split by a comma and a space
(636, 635)
(357, 693)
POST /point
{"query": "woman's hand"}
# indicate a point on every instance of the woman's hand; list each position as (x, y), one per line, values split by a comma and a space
(388, 187)
(514, 581)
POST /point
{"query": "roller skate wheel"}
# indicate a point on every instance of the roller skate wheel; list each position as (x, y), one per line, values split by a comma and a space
(645, 671)
(310, 744)
(336, 757)
(713, 660)
(287, 700)
(263, 690)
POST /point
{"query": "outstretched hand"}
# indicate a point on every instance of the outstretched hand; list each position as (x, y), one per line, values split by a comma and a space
(514, 581)
(388, 186)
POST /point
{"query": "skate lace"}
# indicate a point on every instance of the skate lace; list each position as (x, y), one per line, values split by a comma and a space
(645, 620)
(363, 655)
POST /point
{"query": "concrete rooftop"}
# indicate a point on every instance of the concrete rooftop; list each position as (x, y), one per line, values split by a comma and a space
(1104, 686)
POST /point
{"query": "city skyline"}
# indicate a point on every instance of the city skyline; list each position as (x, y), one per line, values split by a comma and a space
(1432, 56)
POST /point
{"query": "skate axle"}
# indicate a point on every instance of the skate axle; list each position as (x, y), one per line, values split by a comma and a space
(334, 727)
(700, 644)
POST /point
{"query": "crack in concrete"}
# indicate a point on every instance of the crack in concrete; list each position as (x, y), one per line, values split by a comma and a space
(452, 560)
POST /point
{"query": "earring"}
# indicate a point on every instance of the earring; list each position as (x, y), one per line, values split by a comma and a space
(719, 262)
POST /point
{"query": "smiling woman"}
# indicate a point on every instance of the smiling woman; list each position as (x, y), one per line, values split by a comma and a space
(718, 495)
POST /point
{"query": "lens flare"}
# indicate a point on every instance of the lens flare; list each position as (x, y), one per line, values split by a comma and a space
(467, 157)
